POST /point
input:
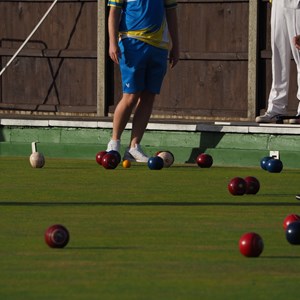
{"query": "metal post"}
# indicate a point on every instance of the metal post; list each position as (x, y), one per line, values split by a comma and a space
(101, 58)
(252, 58)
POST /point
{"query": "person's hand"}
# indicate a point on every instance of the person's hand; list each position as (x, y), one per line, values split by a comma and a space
(296, 41)
(173, 57)
(114, 53)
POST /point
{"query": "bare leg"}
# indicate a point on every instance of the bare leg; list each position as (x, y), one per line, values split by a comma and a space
(141, 117)
(122, 114)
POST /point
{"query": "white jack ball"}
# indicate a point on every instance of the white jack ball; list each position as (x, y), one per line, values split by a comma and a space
(167, 157)
(37, 160)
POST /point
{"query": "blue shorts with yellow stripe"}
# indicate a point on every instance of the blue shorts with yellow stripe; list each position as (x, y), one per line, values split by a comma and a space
(142, 66)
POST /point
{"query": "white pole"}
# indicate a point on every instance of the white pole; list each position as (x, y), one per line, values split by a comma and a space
(33, 147)
(29, 37)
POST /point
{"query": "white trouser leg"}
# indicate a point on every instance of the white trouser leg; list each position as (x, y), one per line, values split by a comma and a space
(281, 57)
(293, 25)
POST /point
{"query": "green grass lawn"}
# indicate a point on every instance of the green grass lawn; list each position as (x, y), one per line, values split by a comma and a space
(142, 234)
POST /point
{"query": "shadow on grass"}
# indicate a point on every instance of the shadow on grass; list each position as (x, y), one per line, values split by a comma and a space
(183, 204)
(103, 248)
(280, 257)
(278, 195)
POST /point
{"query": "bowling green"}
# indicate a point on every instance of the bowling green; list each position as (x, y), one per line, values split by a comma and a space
(144, 234)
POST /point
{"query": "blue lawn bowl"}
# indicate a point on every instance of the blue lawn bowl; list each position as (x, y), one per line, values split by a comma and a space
(264, 162)
(292, 233)
(274, 165)
(155, 163)
(117, 154)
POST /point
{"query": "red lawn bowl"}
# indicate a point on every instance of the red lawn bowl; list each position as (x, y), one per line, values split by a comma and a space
(290, 219)
(252, 185)
(99, 157)
(109, 161)
(57, 236)
(237, 186)
(204, 160)
(251, 244)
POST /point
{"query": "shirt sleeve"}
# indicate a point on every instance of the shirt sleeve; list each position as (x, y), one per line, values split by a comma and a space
(170, 3)
(115, 3)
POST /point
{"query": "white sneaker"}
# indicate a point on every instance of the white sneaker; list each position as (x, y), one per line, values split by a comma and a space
(135, 154)
(295, 121)
(267, 118)
(127, 155)
(113, 145)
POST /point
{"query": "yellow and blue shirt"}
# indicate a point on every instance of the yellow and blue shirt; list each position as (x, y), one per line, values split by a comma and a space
(144, 20)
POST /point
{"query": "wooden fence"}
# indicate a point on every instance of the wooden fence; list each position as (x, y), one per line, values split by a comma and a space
(224, 70)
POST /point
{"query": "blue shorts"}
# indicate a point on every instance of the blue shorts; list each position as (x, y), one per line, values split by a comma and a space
(142, 66)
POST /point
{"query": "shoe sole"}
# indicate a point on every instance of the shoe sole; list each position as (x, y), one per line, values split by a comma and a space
(128, 156)
(272, 120)
(298, 197)
(265, 122)
(294, 121)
